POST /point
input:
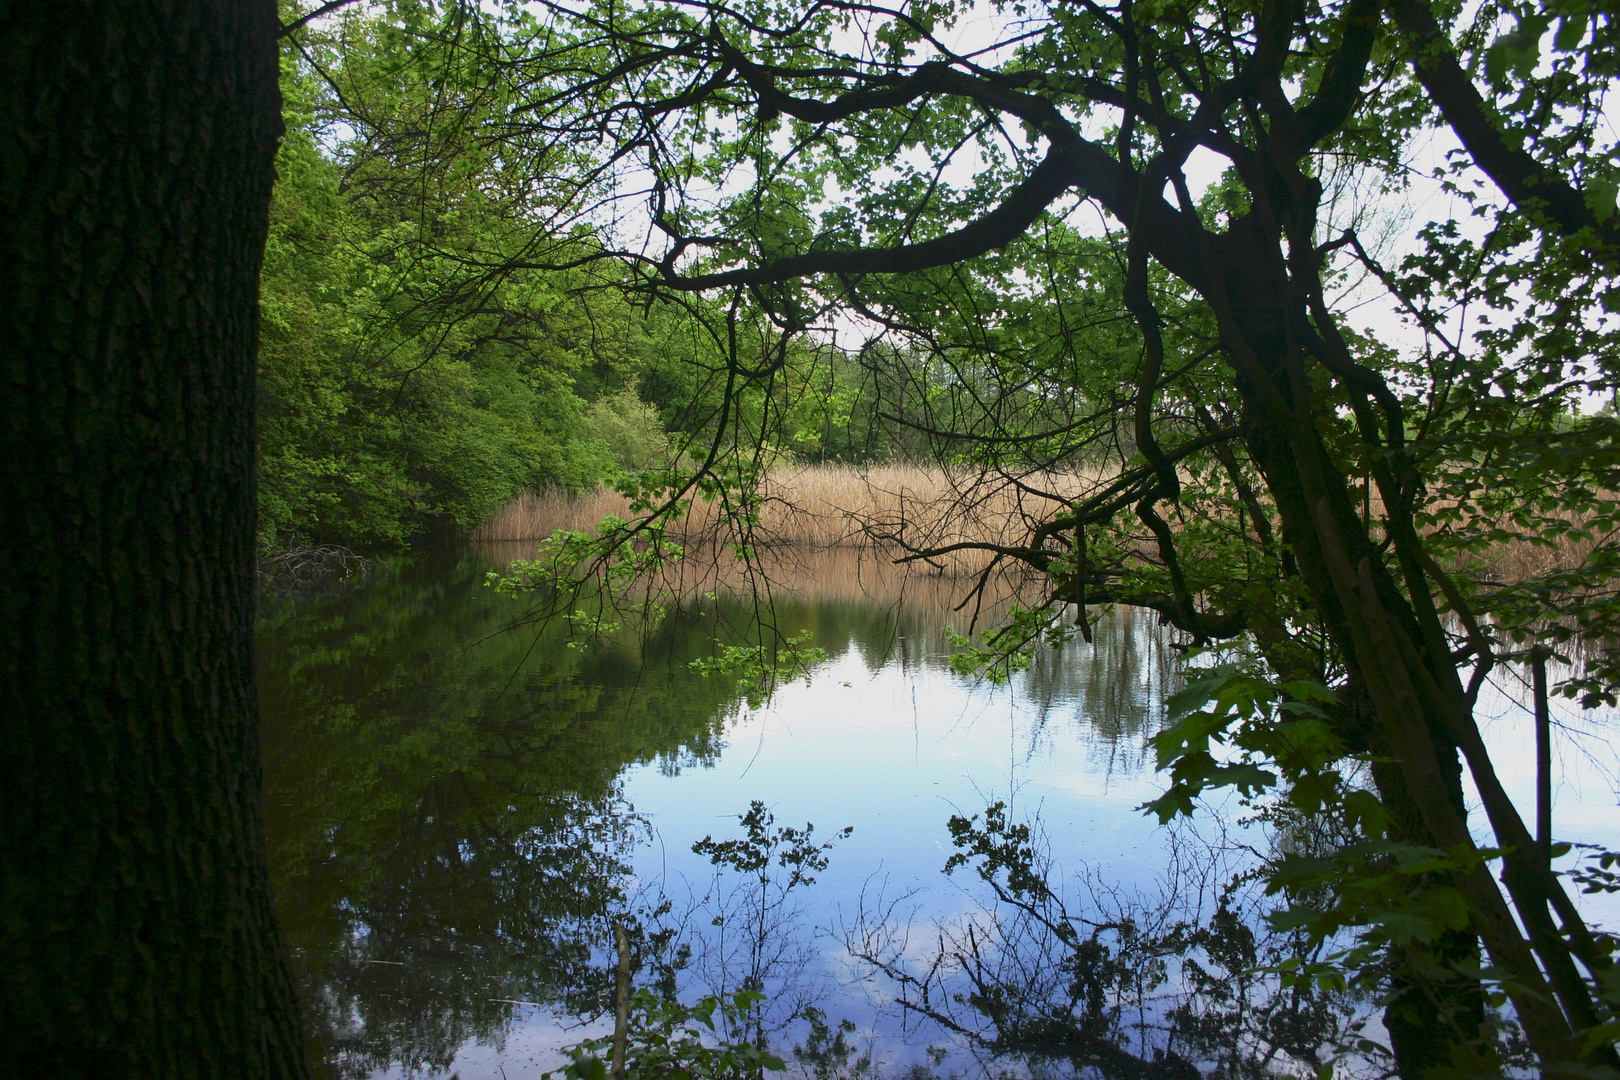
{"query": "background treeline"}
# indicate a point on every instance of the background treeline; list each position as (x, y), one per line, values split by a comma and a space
(400, 393)
(414, 373)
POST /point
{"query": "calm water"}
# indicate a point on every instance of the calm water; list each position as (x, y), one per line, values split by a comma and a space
(458, 808)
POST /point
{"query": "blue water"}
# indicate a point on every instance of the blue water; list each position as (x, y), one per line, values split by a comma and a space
(457, 806)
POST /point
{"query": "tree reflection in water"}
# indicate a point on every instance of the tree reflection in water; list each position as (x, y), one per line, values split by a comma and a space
(448, 831)
(448, 837)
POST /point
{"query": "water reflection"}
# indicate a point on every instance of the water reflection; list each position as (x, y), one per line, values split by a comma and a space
(1113, 688)
(446, 827)
(456, 807)
(449, 800)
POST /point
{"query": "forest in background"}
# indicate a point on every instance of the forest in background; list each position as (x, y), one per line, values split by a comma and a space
(405, 393)
(1025, 225)
(1312, 499)
(398, 395)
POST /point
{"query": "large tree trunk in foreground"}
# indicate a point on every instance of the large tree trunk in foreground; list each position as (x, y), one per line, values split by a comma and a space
(135, 176)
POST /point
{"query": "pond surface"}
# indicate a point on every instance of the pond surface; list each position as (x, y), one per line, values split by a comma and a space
(458, 807)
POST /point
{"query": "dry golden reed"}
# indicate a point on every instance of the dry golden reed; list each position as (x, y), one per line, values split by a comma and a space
(898, 507)
(1521, 560)
(825, 506)
(1515, 560)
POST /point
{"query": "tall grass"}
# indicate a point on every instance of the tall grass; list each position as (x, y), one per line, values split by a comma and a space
(1512, 560)
(536, 514)
(890, 506)
(827, 506)
(1521, 559)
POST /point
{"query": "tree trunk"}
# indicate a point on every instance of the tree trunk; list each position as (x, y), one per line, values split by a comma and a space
(135, 178)
(1415, 698)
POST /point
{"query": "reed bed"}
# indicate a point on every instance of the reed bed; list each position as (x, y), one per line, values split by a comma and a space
(1521, 560)
(896, 507)
(828, 506)
(1516, 560)
(532, 515)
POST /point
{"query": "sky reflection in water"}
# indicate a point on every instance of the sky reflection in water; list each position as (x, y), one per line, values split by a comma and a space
(449, 805)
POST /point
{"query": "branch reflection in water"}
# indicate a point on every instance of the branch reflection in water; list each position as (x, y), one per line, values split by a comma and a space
(457, 813)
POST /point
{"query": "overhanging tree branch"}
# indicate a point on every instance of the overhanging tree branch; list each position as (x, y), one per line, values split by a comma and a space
(1531, 186)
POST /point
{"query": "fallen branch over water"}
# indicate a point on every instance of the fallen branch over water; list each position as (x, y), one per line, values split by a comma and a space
(302, 567)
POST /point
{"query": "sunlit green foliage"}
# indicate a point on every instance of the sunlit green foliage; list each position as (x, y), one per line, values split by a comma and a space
(1018, 231)
(401, 392)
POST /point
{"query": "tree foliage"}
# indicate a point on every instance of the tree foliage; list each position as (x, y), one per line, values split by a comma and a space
(403, 389)
(1130, 236)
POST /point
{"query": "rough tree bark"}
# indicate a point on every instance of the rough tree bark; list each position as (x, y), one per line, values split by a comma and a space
(135, 177)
